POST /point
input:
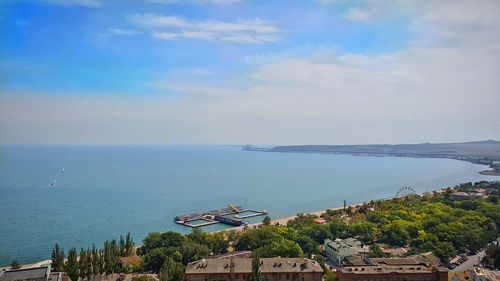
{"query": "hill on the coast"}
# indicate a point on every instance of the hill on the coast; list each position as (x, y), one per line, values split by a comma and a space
(481, 152)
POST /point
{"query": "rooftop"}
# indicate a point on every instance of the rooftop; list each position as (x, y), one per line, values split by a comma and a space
(244, 265)
(131, 260)
(24, 274)
(344, 243)
(385, 265)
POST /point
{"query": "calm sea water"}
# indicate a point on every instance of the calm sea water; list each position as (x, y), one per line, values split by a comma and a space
(107, 191)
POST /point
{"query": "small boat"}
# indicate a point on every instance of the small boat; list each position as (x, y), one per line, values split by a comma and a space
(53, 183)
(63, 170)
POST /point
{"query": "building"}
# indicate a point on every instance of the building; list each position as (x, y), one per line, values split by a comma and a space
(460, 195)
(130, 263)
(459, 276)
(394, 251)
(414, 268)
(240, 269)
(477, 274)
(320, 220)
(26, 274)
(336, 251)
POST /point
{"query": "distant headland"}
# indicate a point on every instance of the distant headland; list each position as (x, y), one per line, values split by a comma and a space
(479, 152)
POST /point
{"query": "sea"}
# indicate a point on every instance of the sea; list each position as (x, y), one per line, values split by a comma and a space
(80, 196)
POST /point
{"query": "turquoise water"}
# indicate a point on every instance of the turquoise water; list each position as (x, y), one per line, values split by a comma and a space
(107, 191)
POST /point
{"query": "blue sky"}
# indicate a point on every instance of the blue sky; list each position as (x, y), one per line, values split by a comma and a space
(79, 47)
(239, 64)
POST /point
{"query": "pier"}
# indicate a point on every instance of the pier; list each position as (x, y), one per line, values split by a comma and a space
(256, 148)
(231, 215)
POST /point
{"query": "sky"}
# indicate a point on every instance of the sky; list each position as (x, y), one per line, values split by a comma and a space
(119, 72)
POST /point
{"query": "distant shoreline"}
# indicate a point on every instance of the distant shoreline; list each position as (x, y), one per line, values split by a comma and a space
(488, 172)
(481, 152)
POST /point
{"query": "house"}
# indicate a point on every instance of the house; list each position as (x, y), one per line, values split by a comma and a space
(320, 220)
(460, 195)
(459, 276)
(339, 249)
(394, 251)
(477, 274)
(393, 269)
(130, 263)
(26, 274)
(240, 269)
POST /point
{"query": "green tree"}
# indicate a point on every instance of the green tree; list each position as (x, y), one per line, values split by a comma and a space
(57, 258)
(305, 242)
(192, 251)
(216, 242)
(396, 234)
(15, 264)
(339, 229)
(376, 252)
(111, 256)
(283, 248)
(365, 230)
(82, 264)
(126, 245)
(71, 267)
(255, 275)
(171, 270)
(252, 239)
(492, 257)
(152, 241)
(444, 251)
(156, 258)
(100, 263)
(266, 220)
(172, 239)
(89, 272)
(95, 261)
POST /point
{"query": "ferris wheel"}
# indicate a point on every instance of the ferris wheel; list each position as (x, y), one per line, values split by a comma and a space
(405, 191)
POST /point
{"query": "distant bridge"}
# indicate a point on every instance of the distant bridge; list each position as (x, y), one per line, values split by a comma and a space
(256, 148)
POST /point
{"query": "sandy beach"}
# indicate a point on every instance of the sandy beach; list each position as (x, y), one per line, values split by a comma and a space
(285, 220)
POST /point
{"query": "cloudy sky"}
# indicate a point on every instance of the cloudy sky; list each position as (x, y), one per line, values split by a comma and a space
(241, 71)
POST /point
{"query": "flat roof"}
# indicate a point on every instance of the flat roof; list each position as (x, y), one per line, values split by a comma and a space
(26, 273)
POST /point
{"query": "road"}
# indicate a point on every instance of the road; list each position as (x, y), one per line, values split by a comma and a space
(469, 264)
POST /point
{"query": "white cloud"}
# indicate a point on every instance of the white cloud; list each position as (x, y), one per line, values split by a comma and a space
(443, 87)
(84, 3)
(122, 32)
(201, 35)
(155, 21)
(355, 14)
(173, 27)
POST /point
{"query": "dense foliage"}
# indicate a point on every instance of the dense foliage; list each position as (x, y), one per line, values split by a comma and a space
(432, 222)
(92, 262)
(492, 258)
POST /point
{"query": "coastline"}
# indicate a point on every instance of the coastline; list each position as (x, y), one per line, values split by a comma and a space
(486, 152)
(492, 171)
(286, 219)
